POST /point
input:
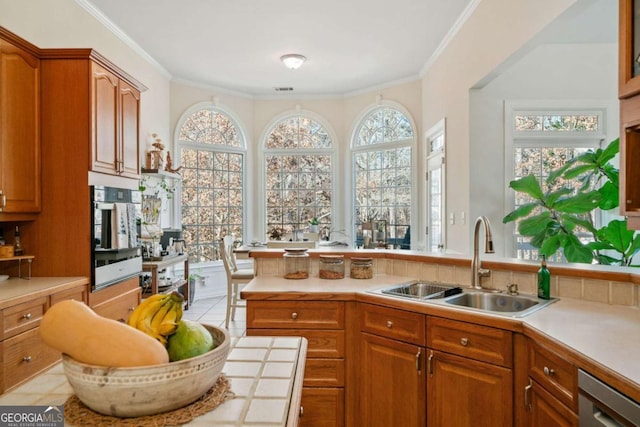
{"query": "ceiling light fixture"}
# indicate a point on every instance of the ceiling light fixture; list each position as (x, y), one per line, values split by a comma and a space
(293, 60)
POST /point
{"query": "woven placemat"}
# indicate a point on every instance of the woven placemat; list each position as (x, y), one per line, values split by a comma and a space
(76, 413)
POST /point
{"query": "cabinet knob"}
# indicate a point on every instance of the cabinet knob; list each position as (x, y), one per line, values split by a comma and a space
(26, 359)
(301, 411)
(132, 308)
(464, 341)
(389, 324)
(548, 371)
(294, 315)
(26, 316)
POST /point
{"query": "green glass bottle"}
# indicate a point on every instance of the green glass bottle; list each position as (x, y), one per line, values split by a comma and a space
(544, 280)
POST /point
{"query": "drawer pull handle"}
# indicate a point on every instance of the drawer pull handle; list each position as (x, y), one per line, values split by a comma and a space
(294, 315)
(464, 341)
(548, 371)
(301, 411)
(26, 316)
(527, 390)
(429, 363)
(389, 324)
(26, 359)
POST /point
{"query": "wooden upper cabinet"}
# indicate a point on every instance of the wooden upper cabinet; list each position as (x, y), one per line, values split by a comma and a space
(19, 129)
(629, 48)
(115, 132)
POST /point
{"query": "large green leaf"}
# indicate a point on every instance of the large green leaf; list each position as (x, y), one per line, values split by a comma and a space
(529, 185)
(535, 224)
(617, 234)
(579, 170)
(550, 246)
(609, 152)
(521, 212)
(575, 251)
(579, 221)
(580, 203)
(610, 196)
(634, 247)
(554, 196)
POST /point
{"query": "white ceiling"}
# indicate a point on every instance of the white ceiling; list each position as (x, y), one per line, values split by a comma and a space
(351, 45)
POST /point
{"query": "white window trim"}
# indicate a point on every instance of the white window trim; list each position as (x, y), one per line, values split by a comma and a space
(437, 130)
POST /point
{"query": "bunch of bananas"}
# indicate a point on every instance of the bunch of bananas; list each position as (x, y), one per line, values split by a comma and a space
(158, 315)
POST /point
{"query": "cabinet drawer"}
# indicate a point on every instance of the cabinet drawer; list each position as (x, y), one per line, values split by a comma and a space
(119, 308)
(295, 314)
(327, 344)
(469, 340)
(391, 323)
(79, 294)
(554, 373)
(324, 373)
(24, 356)
(23, 317)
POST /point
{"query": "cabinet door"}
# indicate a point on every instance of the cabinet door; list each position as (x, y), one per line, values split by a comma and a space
(322, 407)
(629, 49)
(467, 393)
(19, 130)
(392, 383)
(129, 155)
(546, 410)
(104, 100)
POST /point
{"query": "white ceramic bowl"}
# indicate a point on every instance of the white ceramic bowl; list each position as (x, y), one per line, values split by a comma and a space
(3, 277)
(148, 390)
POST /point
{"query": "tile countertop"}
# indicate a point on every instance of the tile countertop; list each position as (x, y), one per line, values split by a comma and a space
(607, 335)
(265, 374)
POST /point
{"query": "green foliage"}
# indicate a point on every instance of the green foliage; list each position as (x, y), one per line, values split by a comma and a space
(554, 217)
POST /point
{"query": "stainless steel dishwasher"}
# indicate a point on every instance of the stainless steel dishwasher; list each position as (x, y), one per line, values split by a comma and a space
(601, 405)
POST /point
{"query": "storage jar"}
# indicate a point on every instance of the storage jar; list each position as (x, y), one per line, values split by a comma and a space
(331, 266)
(296, 263)
(361, 268)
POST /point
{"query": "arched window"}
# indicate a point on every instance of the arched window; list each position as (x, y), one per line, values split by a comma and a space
(298, 155)
(212, 153)
(382, 165)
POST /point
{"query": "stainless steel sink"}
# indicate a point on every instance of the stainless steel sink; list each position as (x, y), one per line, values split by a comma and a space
(512, 305)
(422, 290)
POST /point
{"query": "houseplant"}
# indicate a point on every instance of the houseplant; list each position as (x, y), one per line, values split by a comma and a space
(554, 218)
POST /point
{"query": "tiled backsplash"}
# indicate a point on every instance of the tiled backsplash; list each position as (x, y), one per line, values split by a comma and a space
(603, 291)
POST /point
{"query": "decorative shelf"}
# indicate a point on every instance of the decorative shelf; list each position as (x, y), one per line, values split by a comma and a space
(19, 258)
(160, 173)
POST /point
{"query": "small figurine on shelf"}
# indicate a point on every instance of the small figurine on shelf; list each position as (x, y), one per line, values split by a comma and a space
(154, 155)
(169, 166)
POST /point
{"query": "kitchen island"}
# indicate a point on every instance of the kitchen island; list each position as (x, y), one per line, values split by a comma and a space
(265, 374)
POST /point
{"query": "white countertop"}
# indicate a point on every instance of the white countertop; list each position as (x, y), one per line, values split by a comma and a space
(265, 374)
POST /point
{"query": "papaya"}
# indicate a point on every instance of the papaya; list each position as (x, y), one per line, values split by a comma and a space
(190, 339)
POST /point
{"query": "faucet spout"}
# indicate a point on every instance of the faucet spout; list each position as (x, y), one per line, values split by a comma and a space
(476, 269)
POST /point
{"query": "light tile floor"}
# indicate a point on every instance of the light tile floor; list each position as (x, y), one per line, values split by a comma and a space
(212, 311)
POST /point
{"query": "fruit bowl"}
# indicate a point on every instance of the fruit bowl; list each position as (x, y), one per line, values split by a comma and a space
(148, 390)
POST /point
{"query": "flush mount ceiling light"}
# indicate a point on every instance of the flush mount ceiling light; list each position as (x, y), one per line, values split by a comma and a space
(293, 60)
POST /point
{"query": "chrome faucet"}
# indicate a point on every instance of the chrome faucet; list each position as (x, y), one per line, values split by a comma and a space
(476, 270)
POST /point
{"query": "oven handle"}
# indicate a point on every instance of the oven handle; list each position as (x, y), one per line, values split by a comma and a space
(604, 419)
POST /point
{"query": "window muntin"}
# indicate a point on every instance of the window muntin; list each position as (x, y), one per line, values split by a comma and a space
(299, 184)
(382, 171)
(212, 196)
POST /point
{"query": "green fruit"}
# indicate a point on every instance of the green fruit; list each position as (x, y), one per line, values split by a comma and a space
(190, 339)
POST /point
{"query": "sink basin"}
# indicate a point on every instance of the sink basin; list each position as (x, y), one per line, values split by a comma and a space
(514, 305)
(422, 290)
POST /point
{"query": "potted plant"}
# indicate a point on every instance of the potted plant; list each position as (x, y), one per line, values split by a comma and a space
(313, 225)
(553, 218)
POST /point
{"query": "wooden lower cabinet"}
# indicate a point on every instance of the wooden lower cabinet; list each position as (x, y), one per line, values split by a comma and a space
(117, 301)
(392, 390)
(464, 392)
(322, 323)
(322, 407)
(546, 410)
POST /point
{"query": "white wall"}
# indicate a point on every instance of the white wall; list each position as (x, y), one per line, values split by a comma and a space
(584, 74)
(493, 32)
